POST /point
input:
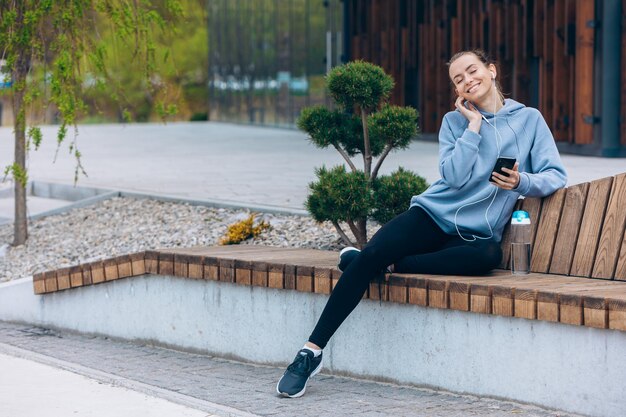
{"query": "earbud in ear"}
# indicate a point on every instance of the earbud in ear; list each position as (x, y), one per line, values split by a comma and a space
(493, 75)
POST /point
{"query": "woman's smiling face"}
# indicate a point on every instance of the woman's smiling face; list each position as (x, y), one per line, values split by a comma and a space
(471, 78)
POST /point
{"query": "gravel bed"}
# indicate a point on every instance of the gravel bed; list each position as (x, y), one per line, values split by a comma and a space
(125, 225)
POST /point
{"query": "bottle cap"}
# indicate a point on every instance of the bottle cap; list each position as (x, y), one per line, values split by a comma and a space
(520, 217)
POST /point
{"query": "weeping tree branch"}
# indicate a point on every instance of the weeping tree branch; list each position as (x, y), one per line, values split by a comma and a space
(48, 49)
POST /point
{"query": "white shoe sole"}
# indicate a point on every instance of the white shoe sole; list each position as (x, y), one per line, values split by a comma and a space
(301, 393)
(348, 249)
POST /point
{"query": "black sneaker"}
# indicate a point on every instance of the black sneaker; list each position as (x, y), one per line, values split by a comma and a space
(346, 256)
(304, 366)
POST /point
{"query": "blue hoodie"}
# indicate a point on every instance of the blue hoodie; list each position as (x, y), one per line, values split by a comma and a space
(464, 197)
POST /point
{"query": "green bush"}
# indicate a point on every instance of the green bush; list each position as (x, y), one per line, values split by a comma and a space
(339, 195)
(394, 125)
(336, 128)
(359, 84)
(392, 193)
(361, 124)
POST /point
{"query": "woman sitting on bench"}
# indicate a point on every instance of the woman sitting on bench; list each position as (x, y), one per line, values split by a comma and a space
(455, 226)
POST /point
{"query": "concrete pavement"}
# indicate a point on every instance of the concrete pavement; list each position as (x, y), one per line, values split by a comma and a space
(31, 389)
(208, 384)
(259, 165)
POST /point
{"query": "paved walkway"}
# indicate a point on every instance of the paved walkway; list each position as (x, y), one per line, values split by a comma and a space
(211, 385)
(257, 165)
(29, 388)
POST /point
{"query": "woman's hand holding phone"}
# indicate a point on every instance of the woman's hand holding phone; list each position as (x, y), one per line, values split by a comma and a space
(470, 112)
(505, 182)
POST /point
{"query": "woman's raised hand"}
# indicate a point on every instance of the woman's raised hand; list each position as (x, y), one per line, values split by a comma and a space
(472, 114)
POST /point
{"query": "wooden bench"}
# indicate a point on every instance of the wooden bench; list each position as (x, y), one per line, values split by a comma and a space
(578, 261)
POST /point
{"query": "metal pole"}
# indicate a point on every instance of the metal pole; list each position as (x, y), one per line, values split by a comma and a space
(611, 64)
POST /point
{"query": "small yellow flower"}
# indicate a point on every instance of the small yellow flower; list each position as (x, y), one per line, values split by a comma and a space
(243, 230)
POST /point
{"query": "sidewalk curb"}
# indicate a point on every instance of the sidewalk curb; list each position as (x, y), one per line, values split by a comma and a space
(228, 204)
(215, 203)
(115, 380)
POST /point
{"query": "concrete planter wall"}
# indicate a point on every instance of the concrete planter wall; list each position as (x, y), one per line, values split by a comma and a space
(574, 368)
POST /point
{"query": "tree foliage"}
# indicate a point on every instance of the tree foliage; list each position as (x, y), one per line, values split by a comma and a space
(359, 84)
(393, 192)
(363, 123)
(181, 55)
(339, 195)
(52, 49)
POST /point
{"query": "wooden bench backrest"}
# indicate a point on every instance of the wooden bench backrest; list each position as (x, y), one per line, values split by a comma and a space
(578, 230)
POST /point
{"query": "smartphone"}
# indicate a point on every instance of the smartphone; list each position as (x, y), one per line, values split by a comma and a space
(502, 162)
(469, 105)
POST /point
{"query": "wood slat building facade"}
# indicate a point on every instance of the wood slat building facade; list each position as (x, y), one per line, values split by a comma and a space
(564, 57)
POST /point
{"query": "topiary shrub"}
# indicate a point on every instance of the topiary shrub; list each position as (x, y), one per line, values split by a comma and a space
(393, 192)
(362, 123)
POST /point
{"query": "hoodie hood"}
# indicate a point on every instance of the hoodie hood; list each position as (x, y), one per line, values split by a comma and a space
(510, 108)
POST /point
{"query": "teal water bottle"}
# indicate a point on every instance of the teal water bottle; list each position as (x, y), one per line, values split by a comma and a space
(520, 242)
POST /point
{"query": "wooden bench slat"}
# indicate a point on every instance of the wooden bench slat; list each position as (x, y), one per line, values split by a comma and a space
(620, 271)
(398, 290)
(323, 260)
(165, 264)
(567, 236)
(76, 276)
(587, 243)
(532, 296)
(529, 305)
(546, 231)
(612, 231)
(138, 263)
(548, 308)
(596, 312)
(243, 272)
(304, 278)
(304, 257)
(572, 305)
(124, 266)
(275, 275)
(50, 279)
(510, 295)
(322, 279)
(564, 302)
(617, 314)
(223, 250)
(39, 286)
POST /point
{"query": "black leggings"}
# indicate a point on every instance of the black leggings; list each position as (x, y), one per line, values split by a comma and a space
(413, 243)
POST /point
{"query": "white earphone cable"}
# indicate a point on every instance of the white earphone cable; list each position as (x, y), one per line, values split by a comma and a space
(493, 192)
